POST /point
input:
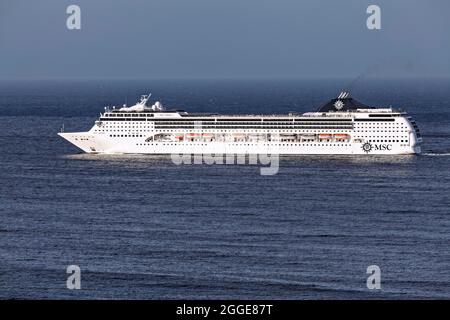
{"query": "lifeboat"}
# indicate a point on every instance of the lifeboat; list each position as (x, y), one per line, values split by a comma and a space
(238, 135)
(179, 136)
(192, 135)
(342, 136)
(208, 136)
(307, 137)
(325, 136)
(287, 136)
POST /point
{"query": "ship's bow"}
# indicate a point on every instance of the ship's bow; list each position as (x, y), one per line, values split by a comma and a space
(83, 140)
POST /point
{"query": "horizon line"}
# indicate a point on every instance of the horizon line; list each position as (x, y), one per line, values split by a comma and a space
(201, 78)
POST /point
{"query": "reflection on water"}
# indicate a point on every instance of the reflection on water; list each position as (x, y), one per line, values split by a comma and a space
(296, 158)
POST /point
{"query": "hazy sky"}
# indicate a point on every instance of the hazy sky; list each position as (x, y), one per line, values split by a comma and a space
(224, 39)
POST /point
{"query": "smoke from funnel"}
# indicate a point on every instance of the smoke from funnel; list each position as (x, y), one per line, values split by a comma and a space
(380, 68)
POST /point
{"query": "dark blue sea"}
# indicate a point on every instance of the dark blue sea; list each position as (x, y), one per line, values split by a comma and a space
(141, 227)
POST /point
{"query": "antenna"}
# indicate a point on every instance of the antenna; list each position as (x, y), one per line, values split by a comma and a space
(144, 98)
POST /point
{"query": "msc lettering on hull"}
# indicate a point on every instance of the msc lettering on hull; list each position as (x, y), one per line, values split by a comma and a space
(383, 147)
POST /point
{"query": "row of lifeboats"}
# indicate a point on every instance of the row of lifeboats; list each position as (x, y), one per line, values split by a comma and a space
(321, 136)
(181, 136)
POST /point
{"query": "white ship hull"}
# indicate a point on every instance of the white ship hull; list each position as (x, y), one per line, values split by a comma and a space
(92, 143)
(343, 126)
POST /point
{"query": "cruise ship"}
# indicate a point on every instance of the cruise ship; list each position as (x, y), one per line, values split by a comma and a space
(341, 126)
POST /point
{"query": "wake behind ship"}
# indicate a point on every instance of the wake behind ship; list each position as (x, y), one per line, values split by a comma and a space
(341, 126)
